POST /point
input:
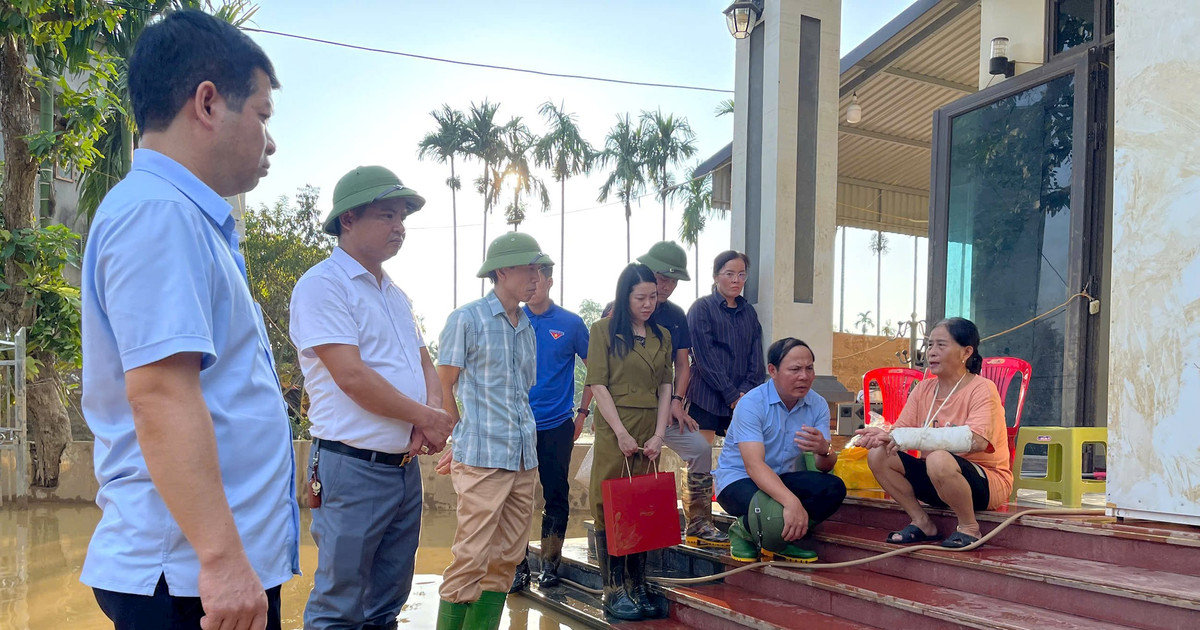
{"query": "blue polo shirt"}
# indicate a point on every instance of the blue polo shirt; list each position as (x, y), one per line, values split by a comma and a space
(760, 416)
(161, 276)
(561, 336)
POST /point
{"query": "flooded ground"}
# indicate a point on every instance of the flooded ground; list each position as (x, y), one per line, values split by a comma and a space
(42, 549)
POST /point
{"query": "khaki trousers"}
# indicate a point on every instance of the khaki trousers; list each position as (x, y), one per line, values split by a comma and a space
(494, 510)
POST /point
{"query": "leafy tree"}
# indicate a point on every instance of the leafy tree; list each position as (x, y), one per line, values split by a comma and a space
(667, 141)
(485, 143)
(589, 311)
(697, 209)
(623, 152)
(41, 43)
(864, 322)
(564, 151)
(283, 242)
(449, 140)
(518, 144)
(879, 247)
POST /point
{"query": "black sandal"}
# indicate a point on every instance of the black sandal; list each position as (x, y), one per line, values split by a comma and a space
(911, 534)
(958, 540)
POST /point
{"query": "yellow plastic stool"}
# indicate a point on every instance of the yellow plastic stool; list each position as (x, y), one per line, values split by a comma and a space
(1064, 462)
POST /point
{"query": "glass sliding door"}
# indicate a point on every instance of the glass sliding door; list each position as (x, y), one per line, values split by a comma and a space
(1009, 213)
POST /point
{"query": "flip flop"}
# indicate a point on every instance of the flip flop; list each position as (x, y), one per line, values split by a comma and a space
(958, 540)
(911, 534)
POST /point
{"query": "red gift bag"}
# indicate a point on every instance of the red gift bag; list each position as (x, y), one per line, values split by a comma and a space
(641, 513)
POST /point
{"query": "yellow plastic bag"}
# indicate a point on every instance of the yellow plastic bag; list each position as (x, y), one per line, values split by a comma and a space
(852, 467)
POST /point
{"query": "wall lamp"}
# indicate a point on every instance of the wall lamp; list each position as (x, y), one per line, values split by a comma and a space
(742, 16)
(1000, 63)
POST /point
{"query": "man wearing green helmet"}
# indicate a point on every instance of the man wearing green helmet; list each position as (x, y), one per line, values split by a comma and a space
(488, 350)
(668, 261)
(774, 425)
(376, 402)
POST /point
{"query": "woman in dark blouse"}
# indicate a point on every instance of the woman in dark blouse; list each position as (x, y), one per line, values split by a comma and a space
(726, 347)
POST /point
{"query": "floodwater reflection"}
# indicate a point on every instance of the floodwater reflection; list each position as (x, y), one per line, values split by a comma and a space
(42, 549)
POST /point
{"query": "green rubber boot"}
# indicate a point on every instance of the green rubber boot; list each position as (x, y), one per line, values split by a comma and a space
(451, 615)
(485, 612)
(741, 544)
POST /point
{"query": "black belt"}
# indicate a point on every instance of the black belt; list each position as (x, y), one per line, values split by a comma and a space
(377, 457)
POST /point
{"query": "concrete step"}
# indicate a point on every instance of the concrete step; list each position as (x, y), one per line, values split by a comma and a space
(586, 609)
(1137, 598)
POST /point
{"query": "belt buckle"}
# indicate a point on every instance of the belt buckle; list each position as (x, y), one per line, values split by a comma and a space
(408, 457)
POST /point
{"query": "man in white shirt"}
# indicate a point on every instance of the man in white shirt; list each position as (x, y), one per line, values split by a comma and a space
(375, 403)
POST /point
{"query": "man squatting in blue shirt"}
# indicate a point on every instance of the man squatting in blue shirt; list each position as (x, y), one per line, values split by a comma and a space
(176, 363)
(561, 336)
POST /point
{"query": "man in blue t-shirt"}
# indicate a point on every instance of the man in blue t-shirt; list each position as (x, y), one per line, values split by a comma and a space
(561, 336)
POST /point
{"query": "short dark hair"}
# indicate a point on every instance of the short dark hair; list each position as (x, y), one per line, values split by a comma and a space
(965, 333)
(724, 257)
(186, 48)
(355, 213)
(781, 348)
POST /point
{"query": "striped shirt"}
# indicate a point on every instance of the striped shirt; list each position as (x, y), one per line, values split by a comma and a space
(499, 366)
(727, 351)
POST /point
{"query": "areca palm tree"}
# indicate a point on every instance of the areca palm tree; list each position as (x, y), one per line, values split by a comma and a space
(668, 141)
(442, 145)
(624, 153)
(519, 143)
(118, 136)
(564, 151)
(485, 143)
(697, 209)
(879, 247)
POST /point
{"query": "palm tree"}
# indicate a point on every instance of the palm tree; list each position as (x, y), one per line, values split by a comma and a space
(442, 145)
(864, 321)
(564, 151)
(697, 193)
(879, 247)
(118, 132)
(519, 144)
(724, 107)
(623, 150)
(484, 143)
(668, 141)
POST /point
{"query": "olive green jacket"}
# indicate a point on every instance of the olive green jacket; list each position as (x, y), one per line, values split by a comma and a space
(632, 381)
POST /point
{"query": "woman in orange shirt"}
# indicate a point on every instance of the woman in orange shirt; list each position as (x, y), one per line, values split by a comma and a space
(957, 421)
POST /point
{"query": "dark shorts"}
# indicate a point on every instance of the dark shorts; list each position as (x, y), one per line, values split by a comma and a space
(709, 421)
(918, 476)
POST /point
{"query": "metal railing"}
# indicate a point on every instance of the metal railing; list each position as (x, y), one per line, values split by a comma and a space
(14, 447)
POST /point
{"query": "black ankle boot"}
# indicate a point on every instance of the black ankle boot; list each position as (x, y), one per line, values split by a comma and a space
(520, 577)
(617, 602)
(652, 605)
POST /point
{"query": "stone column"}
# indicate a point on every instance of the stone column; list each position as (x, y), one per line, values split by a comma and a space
(785, 169)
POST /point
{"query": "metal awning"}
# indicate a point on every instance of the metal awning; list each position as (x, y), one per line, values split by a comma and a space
(925, 58)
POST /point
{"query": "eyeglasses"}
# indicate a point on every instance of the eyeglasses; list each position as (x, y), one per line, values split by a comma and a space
(729, 275)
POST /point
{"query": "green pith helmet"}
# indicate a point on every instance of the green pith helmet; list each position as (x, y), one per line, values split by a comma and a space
(667, 258)
(765, 519)
(513, 250)
(367, 184)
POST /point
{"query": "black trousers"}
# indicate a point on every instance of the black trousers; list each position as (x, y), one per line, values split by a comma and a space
(821, 494)
(163, 611)
(554, 456)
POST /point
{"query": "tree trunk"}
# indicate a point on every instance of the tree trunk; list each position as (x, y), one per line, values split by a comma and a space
(49, 428)
(842, 284)
(562, 240)
(628, 212)
(662, 180)
(697, 280)
(482, 286)
(454, 230)
(878, 282)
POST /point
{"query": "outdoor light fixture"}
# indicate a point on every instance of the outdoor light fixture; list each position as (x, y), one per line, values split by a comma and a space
(854, 111)
(999, 63)
(741, 16)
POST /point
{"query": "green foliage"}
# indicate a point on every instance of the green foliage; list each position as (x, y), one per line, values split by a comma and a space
(723, 108)
(41, 254)
(283, 242)
(864, 321)
(697, 208)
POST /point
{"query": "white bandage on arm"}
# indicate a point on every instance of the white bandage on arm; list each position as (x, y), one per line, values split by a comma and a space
(951, 439)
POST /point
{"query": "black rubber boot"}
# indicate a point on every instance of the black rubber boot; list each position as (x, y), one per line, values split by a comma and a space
(553, 532)
(617, 602)
(520, 578)
(652, 605)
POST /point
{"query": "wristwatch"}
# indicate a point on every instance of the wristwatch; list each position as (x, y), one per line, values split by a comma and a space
(585, 411)
(676, 397)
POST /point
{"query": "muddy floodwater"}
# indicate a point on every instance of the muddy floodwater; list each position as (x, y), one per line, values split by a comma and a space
(42, 549)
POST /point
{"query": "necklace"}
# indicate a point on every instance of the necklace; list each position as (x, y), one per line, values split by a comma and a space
(932, 415)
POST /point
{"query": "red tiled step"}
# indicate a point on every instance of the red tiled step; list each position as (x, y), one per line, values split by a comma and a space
(890, 602)
(720, 606)
(1138, 598)
(1099, 539)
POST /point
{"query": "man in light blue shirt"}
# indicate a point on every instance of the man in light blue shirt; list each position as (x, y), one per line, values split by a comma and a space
(193, 448)
(773, 426)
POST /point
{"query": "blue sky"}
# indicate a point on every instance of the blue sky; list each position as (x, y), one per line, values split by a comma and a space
(341, 108)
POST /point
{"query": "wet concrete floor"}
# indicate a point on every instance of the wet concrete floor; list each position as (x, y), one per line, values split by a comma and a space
(42, 548)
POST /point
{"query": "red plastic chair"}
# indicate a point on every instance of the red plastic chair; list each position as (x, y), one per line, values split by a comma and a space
(1001, 370)
(895, 385)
